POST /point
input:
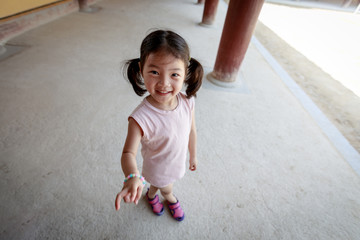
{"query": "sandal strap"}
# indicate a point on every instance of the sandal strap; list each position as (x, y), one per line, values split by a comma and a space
(156, 206)
(174, 206)
(176, 211)
(153, 201)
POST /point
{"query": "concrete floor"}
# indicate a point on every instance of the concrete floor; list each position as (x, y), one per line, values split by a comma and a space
(266, 168)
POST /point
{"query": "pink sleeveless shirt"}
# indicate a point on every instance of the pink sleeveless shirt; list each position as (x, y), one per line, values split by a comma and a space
(164, 145)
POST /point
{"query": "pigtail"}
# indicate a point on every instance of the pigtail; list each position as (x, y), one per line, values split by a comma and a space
(133, 74)
(194, 77)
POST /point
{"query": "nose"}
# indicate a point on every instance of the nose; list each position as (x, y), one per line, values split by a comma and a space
(164, 81)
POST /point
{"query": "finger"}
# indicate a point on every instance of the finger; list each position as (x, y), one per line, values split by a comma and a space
(127, 198)
(117, 203)
(118, 200)
(138, 196)
(119, 196)
(133, 194)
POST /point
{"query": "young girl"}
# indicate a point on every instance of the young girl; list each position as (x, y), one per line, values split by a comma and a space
(164, 122)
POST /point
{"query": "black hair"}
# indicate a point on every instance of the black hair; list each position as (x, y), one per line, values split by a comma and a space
(170, 42)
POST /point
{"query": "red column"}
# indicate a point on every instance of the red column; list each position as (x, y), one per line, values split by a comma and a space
(209, 12)
(239, 26)
(83, 4)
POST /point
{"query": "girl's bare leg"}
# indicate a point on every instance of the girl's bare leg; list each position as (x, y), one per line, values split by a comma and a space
(152, 191)
(167, 193)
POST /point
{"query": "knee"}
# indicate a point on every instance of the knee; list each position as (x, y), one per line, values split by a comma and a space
(165, 192)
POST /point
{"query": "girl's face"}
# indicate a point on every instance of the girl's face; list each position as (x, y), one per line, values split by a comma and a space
(164, 77)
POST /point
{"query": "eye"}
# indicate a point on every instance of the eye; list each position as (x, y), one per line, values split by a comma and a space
(154, 72)
(175, 75)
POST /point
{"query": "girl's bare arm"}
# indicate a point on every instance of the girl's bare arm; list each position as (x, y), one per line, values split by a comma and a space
(192, 143)
(132, 189)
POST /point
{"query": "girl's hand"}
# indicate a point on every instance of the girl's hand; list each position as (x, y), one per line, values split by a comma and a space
(193, 164)
(131, 192)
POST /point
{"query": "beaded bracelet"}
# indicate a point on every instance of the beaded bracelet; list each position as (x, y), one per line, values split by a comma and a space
(135, 175)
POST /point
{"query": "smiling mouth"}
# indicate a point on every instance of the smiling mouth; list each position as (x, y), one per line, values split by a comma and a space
(163, 92)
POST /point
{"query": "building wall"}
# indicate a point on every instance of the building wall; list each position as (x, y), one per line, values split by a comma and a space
(12, 7)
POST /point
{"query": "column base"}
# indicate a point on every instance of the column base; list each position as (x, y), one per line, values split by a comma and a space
(234, 84)
(206, 25)
(238, 87)
(90, 9)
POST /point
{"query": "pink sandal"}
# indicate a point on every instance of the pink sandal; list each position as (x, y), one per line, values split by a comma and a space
(156, 205)
(176, 211)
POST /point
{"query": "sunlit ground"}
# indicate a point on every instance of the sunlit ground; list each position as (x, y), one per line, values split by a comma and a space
(330, 39)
